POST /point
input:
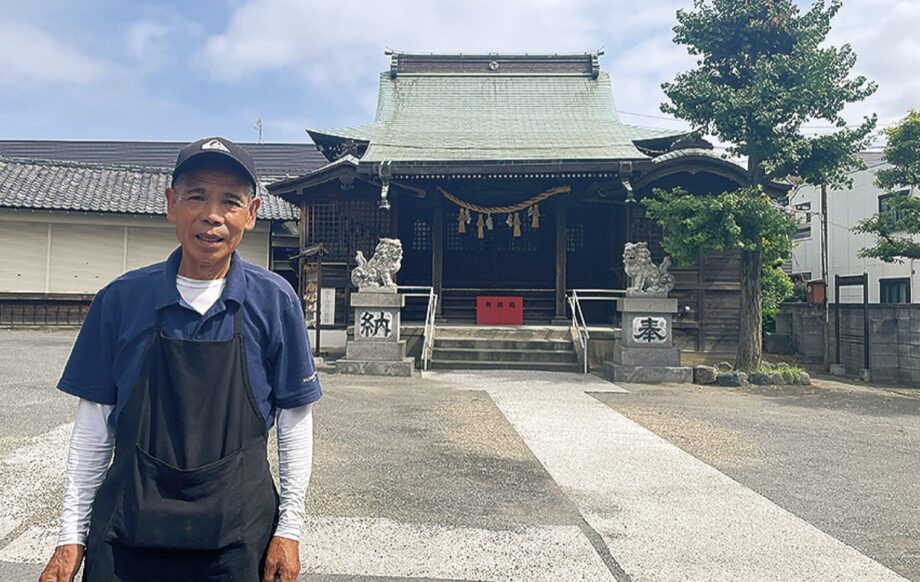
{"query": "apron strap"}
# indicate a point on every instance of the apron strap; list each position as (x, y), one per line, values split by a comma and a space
(158, 324)
(237, 320)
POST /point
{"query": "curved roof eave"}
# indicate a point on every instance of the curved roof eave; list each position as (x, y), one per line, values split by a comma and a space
(693, 161)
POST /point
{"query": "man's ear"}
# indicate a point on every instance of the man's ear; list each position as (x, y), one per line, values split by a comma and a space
(171, 204)
(253, 207)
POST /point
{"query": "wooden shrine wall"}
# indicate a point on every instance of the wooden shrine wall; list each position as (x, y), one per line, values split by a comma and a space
(708, 293)
(345, 226)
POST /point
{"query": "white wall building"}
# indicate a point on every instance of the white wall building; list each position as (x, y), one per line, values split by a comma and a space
(888, 282)
(70, 228)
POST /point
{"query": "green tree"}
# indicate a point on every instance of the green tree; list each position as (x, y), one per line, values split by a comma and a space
(763, 71)
(897, 228)
(777, 287)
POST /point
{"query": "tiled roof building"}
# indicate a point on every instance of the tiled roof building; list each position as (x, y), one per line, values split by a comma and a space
(85, 187)
(511, 176)
(445, 108)
(273, 160)
(76, 214)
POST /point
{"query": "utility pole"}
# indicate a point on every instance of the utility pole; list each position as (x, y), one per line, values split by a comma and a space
(827, 307)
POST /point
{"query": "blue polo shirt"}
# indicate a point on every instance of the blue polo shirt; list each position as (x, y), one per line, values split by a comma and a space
(106, 359)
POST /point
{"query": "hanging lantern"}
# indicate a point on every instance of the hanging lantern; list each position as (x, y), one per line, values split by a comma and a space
(517, 224)
(480, 224)
(461, 222)
(534, 212)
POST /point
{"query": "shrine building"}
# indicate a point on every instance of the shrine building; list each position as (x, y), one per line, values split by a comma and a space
(509, 175)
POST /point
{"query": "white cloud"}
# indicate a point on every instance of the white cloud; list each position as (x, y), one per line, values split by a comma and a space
(30, 55)
(337, 47)
(883, 35)
(153, 43)
(144, 40)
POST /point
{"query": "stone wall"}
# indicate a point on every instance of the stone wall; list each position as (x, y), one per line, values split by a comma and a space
(894, 338)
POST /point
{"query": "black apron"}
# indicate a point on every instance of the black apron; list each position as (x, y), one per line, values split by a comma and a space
(189, 495)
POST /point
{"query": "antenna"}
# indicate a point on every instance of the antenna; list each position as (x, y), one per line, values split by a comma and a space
(258, 126)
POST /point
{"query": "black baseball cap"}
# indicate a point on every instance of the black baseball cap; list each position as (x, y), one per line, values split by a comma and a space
(215, 148)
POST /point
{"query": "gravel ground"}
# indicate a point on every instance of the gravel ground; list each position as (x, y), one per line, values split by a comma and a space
(842, 456)
(391, 450)
(431, 457)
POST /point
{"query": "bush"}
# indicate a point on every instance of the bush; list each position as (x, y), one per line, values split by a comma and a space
(777, 287)
(787, 373)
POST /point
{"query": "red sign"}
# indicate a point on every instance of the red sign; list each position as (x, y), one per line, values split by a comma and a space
(499, 310)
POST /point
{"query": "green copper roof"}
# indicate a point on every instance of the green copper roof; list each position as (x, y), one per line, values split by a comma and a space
(443, 117)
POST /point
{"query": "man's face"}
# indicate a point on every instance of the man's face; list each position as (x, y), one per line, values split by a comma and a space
(211, 207)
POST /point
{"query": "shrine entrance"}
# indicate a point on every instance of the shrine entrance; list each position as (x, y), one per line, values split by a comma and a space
(499, 260)
(464, 261)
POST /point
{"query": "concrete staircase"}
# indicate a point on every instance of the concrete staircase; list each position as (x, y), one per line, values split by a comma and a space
(504, 348)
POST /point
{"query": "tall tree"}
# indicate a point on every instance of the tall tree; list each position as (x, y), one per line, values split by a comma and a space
(897, 228)
(763, 71)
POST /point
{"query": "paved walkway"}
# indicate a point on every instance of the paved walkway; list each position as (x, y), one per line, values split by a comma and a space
(664, 515)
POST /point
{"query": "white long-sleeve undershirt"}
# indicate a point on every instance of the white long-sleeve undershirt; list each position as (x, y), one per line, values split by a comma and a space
(91, 448)
(92, 445)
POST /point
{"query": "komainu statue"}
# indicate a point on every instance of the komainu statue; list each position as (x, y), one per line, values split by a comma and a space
(377, 273)
(645, 278)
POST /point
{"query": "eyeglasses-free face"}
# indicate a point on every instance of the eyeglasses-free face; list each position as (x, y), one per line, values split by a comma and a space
(211, 208)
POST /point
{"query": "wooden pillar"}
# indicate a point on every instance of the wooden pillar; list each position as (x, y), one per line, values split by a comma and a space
(561, 225)
(303, 235)
(394, 217)
(437, 254)
(701, 321)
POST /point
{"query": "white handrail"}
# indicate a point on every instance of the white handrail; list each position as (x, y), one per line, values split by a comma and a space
(580, 327)
(430, 313)
(428, 337)
(579, 324)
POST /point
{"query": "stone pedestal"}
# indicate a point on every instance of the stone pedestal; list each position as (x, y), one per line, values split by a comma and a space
(376, 348)
(644, 351)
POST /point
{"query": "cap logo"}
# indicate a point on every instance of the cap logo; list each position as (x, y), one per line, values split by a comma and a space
(214, 144)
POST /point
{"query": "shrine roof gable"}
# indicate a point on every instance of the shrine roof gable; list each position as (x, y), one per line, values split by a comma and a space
(461, 108)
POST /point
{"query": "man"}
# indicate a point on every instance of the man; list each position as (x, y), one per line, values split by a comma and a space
(181, 368)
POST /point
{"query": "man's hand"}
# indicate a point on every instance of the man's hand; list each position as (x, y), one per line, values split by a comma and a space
(282, 560)
(64, 564)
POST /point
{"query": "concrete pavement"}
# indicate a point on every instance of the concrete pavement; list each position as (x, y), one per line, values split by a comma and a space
(664, 514)
(492, 476)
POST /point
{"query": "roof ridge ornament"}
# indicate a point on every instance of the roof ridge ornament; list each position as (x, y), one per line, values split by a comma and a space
(584, 64)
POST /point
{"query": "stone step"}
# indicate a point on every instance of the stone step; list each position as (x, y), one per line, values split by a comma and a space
(501, 355)
(505, 333)
(503, 344)
(504, 365)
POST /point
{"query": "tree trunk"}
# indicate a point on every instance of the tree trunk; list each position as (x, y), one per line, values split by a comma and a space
(750, 339)
(824, 277)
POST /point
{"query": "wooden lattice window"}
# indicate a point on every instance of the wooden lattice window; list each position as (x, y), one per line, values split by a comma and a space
(644, 229)
(527, 242)
(421, 235)
(574, 237)
(346, 226)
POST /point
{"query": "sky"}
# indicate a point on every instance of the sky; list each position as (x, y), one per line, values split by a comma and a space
(182, 69)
